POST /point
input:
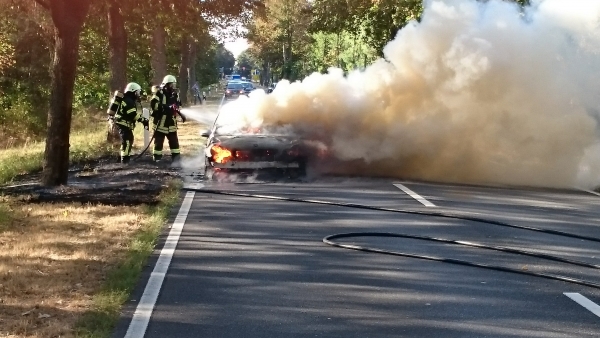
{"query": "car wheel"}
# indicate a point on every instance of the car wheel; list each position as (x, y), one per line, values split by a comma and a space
(298, 172)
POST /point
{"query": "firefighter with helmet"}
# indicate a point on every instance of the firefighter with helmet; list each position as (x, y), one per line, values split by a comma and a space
(126, 117)
(165, 104)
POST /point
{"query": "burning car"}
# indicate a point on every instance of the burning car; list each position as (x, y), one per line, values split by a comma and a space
(248, 150)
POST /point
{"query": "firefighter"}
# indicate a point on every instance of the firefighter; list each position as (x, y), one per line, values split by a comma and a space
(126, 118)
(166, 106)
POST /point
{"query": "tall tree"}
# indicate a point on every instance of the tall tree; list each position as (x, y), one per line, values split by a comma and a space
(195, 23)
(246, 62)
(184, 68)
(280, 36)
(159, 53)
(68, 17)
(117, 41)
(225, 59)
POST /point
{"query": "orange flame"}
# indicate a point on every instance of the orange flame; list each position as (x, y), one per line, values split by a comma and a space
(220, 154)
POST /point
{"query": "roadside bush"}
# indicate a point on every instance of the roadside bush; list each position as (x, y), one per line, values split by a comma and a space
(20, 123)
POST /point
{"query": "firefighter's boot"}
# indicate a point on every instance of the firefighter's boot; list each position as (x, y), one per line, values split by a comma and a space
(176, 160)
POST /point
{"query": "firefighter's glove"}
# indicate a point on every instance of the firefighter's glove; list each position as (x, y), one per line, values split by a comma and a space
(145, 122)
(183, 118)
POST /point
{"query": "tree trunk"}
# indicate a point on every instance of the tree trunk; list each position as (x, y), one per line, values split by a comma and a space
(68, 17)
(117, 42)
(192, 68)
(159, 54)
(264, 75)
(184, 67)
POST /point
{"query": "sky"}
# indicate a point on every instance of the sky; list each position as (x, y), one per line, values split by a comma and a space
(237, 47)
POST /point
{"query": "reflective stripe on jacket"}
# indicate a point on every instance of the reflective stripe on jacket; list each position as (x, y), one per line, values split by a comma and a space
(128, 112)
(163, 118)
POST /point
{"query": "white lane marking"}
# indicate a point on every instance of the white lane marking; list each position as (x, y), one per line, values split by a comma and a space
(143, 312)
(193, 186)
(414, 195)
(586, 303)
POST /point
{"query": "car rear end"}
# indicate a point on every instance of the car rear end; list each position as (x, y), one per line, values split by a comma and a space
(248, 87)
(234, 90)
(256, 154)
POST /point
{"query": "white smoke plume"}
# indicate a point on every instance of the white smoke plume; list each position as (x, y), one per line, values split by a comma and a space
(477, 92)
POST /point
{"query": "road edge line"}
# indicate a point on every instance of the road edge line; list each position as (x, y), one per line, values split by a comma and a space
(143, 312)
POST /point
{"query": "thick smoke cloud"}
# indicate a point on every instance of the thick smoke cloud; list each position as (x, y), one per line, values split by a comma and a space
(477, 92)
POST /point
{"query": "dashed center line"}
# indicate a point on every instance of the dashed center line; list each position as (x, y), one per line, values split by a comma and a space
(583, 301)
(414, 195)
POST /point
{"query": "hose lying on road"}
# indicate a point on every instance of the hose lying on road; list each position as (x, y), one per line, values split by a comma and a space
(452, 215)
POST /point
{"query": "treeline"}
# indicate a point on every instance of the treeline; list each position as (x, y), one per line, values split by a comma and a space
(294, 38)
(120, 41)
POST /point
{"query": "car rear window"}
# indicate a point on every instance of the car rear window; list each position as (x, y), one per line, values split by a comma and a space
(234, 86)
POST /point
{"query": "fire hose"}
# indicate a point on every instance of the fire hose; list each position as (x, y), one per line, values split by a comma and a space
(176, 111)
(145, 149)
(329, 240)
(149, 143)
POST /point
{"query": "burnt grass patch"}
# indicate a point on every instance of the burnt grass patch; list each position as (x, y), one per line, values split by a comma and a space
(101, 181)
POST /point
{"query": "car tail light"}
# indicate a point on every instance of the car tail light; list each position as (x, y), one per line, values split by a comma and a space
(220, 154)
(228, 91)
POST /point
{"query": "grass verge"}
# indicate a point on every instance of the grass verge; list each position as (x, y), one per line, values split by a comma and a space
(101, 319)
(86, 143)
(67, 268)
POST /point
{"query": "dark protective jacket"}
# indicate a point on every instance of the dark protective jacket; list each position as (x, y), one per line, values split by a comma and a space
(128, 113)
(164, 118)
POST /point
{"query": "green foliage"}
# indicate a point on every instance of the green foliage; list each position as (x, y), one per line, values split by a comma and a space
(92, 70)
(296, 38)
(246, 62)
(207, 63)
(225, 59)
(139, 68)
(7, 52)
(27, 45)
(24, 76)
(281, 38)
(345, 50)
(384, 19)
(22, 118)
(87, 143)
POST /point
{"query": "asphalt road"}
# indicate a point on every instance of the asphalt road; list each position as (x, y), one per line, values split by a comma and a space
(250, 266)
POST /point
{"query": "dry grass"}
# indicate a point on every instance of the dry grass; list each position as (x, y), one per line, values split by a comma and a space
(190, 141)
(85, 144)
(66, 269)
(53, 258)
